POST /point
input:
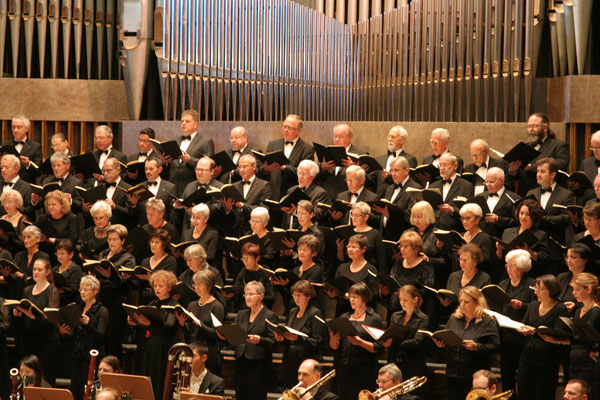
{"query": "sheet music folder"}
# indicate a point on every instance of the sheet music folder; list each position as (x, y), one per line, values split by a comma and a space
(136, 386)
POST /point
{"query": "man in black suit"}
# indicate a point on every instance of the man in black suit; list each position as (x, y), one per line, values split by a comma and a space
(61, 165)
(238, 137)
(10, 165)
(482, 162)
(283, 177)
(548, 194)
(355, 180)
(440, 139)
(254, 190)
(158, 187)
(501, 203)
(396, 138)
(103, 136)
(193, 146)
(203, 381)
(307, 171)
(396, 221)
(451, 186)
(541, 138)
(309, 372)
(332, 177)
(59, 142)
(29, 150)
(146, 150)
(590, 166)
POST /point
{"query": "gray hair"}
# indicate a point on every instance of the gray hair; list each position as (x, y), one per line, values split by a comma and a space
(249, 158)
(12, 193)
(314, 168)
(360, 173)
(401, 130)
(106, 129)
(256, 285)
(522, 259)
(23, 119)
(400, 160)
(195, 251)
(207, 277)
(101, 206)
(155, 203)
(16, 163)
(496, 170)
(201, 209)
(262, 213)
(60, 156)
(473, 208)
(363, 207)
(444, 134)
(393, 371)
(90, 280)
(32, 230)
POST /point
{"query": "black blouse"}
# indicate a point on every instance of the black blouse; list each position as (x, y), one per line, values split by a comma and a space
(536, 349)
(349, 354)
(209, 239)
(73, 275)
(479, 280)
(411, 348)
(526, 295)
(309, 347)
(90, 336)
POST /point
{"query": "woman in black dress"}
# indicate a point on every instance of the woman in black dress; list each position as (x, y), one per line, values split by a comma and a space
(357, 270)
(251, 256)
(584, 362)
(12, 202)
(409, 353)
(308, 320)
(94, 237)
(470, 216)
(195, 258)
(529, 212)
(253, 369)
(480, 340)
(64, 224)
(259, 221)
(161, 260)
(24, 260)
(160, 335)
(577, 258)
(305, 213)
(87, 336)
(355, 357)
(469, 257)
(65, 251)
(540, 358)
(518, 287)
(200, 232)
(422, 218)
(374, 253)
(39, 336)
(203, 308)
(591, 235)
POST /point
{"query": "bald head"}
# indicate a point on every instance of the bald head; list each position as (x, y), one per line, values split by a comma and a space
(238, 137)
(342, 135)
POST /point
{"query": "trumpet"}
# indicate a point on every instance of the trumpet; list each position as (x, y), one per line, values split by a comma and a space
(478, 394)
(402, 388)
(292, 395)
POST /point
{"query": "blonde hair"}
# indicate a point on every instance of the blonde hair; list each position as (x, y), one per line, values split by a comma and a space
(474, 293)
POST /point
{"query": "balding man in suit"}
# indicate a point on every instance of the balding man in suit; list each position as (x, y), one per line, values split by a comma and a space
(29, 150)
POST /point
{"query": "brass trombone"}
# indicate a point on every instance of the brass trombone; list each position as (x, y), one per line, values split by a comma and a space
(478, 394)
(292, 395)
(402, 388)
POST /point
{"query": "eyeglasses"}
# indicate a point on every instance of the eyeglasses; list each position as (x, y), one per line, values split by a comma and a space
(534, 126)
(490, 183)
(289, 128)
(539, 289)
(246, 295)
(85, 290)
(467, 218)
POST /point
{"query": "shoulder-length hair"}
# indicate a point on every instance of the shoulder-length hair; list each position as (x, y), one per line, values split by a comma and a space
(481, 304)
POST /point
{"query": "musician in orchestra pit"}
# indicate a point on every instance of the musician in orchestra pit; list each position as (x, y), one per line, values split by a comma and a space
(108, 394)
(389, 376)
(32, 371)
(577, 389)
(309, 372)
(201, 379)
(485, 380)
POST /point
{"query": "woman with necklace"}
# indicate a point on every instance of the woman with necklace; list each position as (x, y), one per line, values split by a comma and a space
(12, 202)
(94, 237)
(203, 308)
(200, 232)
(40, 336)
(355, 357)
(357, 270)
(87, 336)
(159, 335)
(480, 340)
(307, 319)
(518, 288)
(25, 260)
(253, 358)
(577, 258)
(540, 358)
(195, 259)
(65, 251)
(584, 353)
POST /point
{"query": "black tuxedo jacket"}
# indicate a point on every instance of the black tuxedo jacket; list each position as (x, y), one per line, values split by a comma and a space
(551, 147)
(30, 149)
(494, 162)
(335, 184)
(376, 183)
(122, 211)
(235, 175)
(429, 159)
(505, 209)
(259, 191)
(112, 153)
(281, 181)
(141, 176)
(398, 221)
(556, 220)
(182, 173)
(212, 384)
(164, 186)
(317, 195)
(365, 195)
(590, 168)
(459, 187)
(67, 186)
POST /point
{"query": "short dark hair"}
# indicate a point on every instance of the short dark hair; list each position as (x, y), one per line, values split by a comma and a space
(199, 347)
(585, 386)
(582, 250)
(148, 131)
(545, 121)
(361, 289)
(360, 240)
(65, 244)
(114, 363)
(303, 286)
(592, 209)
(473, 250)
(251, 249)
(311, 241)
(551, 283)
(163, 236)
(536, 212)
(551, 162)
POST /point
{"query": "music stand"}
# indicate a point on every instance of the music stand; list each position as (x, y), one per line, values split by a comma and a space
(138, 387)
(198, 396)
(40, 393)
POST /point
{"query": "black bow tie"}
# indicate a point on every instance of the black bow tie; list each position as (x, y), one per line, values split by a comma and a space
(235, 151)
(143, 154)
(183, 137)
(448, 181)
(115, 184)
(246, 182)
(353, 194)
(548, 190)
(597, 162)
(493, 195)
(19, 142)
(103, 151)
(7, 183)
(391, 153)
(60, 180)
(152, 183)
(483, 165)
(288, 142)
(202, 186)
(398, 185)
(436, 156)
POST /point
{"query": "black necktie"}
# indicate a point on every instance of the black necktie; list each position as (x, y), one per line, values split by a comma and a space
(493, 195)
(353, 194)
(152, 183)
(19, 142)
(547, 190)
(448, 181)
(246, 182)
(183, 137)
(114, 184)
(288, 142)
(7, 183)
(60, 180)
